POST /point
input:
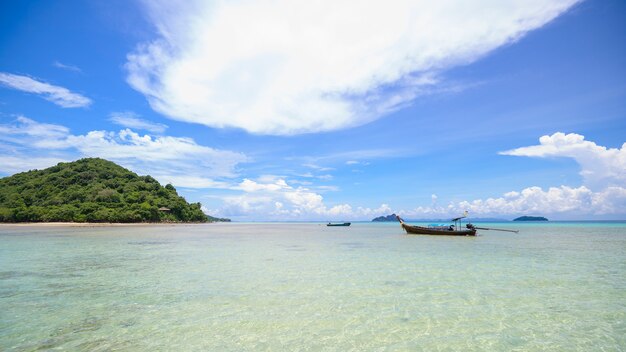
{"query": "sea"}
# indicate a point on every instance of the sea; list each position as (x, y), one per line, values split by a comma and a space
(556, 286)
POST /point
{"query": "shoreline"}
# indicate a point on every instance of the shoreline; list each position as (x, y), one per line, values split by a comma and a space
(98, 224)
(172, 224)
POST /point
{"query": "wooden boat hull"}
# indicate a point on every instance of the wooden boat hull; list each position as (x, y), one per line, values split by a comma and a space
(344, 224)
(420, 230)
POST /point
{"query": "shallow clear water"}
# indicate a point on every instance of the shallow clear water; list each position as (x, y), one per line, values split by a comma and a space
(308, 287)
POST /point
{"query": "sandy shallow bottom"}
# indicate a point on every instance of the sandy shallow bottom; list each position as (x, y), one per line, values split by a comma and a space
(307, 287)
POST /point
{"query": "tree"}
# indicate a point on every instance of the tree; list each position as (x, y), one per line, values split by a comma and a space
(94, 190)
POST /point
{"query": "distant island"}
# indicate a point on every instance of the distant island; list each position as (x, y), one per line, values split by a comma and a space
(392, 217)
(530, 218)
(93, 190)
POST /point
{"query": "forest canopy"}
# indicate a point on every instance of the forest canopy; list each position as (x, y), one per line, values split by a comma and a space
(92, 190)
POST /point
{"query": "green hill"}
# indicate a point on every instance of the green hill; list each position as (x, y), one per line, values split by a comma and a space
(92, 190)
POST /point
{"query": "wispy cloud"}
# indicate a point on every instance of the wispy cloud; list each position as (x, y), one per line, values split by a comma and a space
(321, 177)
(12, 164)
(31, 128)
(317, 167)
(178, 160)
(352, 155)
(63, 66)
(58, 95)
(132, 120)
(328, 188)
(356, 162)
(245, 64)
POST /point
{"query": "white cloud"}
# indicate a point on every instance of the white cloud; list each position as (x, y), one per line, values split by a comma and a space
(132, 120)
(276, 199)
(288, 67)
(327, 188)
(13, 164)
(280, 201)
(67, 67)
(178, 156)
(188, 181)
(31, 128)
(58, 95)
(603, 193)
(251, 186)
(317, 167)
(601, 167)
(314, 161)
(178, 160)
(356, 162)
(273, 198)
(560, 201)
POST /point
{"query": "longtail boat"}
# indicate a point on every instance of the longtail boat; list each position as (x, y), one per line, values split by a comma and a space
(445, 230)
(339, 224)
(439, 230)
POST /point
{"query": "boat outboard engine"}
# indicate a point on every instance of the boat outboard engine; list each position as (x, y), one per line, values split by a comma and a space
(470, 226)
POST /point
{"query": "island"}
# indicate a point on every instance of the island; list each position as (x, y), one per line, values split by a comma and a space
(93, 190)
(392, 217)
(530, 218)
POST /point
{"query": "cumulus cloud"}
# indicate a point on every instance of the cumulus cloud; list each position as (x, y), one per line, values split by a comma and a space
(281, 201)
(603, 192)
(276, 198)
(560, 201)
(261, 195)
(132, 120)
(58, 95)
(601, 167)
(178, 160)
(288, 67)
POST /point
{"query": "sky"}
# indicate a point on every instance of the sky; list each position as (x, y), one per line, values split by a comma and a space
(331, 110)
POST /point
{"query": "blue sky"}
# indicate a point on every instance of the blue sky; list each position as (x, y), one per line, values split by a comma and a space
(297, 111)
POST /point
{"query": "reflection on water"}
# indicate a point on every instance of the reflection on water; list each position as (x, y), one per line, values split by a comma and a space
(233, 287)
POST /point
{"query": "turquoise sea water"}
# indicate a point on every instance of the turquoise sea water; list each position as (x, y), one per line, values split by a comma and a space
(308, 287)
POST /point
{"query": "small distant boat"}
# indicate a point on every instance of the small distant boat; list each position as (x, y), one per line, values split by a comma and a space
(446, 230)
(339, 224)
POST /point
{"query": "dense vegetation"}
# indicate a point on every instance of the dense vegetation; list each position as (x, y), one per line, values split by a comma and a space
(92, 190)
(530, 218)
